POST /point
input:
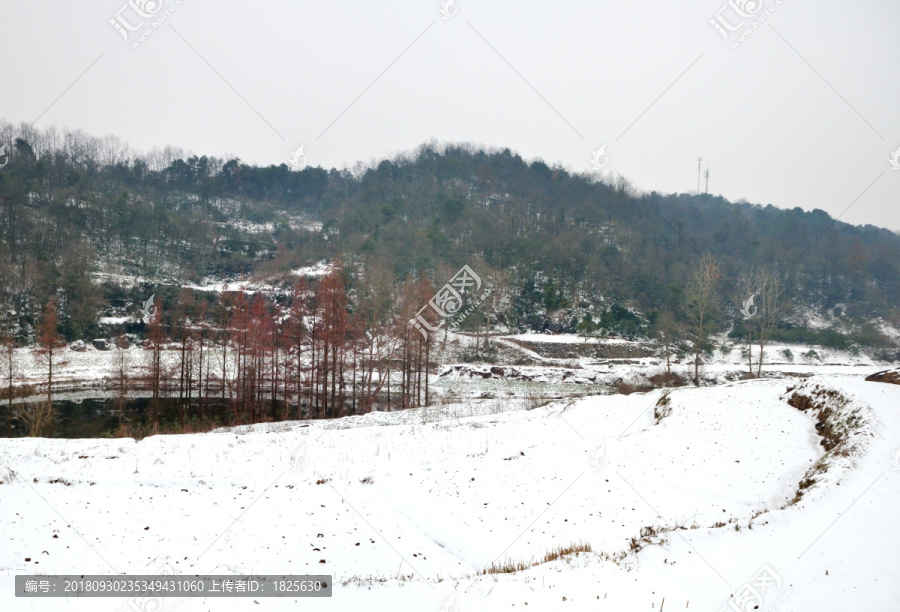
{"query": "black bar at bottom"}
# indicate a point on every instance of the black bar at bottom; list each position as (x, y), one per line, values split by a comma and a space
(173, 586)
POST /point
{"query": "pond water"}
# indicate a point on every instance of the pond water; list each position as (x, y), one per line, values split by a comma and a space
(98, 417)
(88, 414)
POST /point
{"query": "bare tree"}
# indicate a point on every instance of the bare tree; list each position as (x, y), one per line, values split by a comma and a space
(184, 333)
(667, 330)
(772, 307)
(703, 306)
(747, 285)
(764, 305)
(112, 150)
(202, 333)
(375, 305)
(156, 340)
(496, 291)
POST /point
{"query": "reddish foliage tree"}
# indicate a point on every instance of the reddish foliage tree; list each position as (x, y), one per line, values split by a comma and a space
(184, 309)
(334, 325)
(156, 341)
(203, 344)
(48, 352)
(414, 346)
(240, 337)
(298, 337)
(49, 343)
(259, 324)
(8, 359)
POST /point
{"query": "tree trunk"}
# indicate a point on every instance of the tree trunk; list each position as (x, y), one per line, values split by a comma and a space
(750, 353)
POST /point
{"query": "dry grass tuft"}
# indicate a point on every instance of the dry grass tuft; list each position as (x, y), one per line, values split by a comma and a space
(558, 552)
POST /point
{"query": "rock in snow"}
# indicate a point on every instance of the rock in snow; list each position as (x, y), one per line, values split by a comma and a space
(887, 376)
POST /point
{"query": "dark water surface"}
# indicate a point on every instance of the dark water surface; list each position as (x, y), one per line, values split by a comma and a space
(99, 417)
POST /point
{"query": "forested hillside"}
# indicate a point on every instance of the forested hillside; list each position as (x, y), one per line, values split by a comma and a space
(559, 251)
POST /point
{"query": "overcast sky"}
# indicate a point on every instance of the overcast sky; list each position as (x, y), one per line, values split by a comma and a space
(802, 112)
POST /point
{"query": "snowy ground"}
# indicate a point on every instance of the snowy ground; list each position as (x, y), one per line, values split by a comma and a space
(456, 487)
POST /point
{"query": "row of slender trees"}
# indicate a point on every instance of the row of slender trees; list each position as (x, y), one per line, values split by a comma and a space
(315, 354)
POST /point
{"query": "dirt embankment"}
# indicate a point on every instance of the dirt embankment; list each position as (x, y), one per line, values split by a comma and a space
(843, 424)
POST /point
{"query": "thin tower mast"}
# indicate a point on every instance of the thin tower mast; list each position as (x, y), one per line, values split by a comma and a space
(699, 162)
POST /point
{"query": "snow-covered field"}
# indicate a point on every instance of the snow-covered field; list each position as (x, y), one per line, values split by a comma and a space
(413, 505)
